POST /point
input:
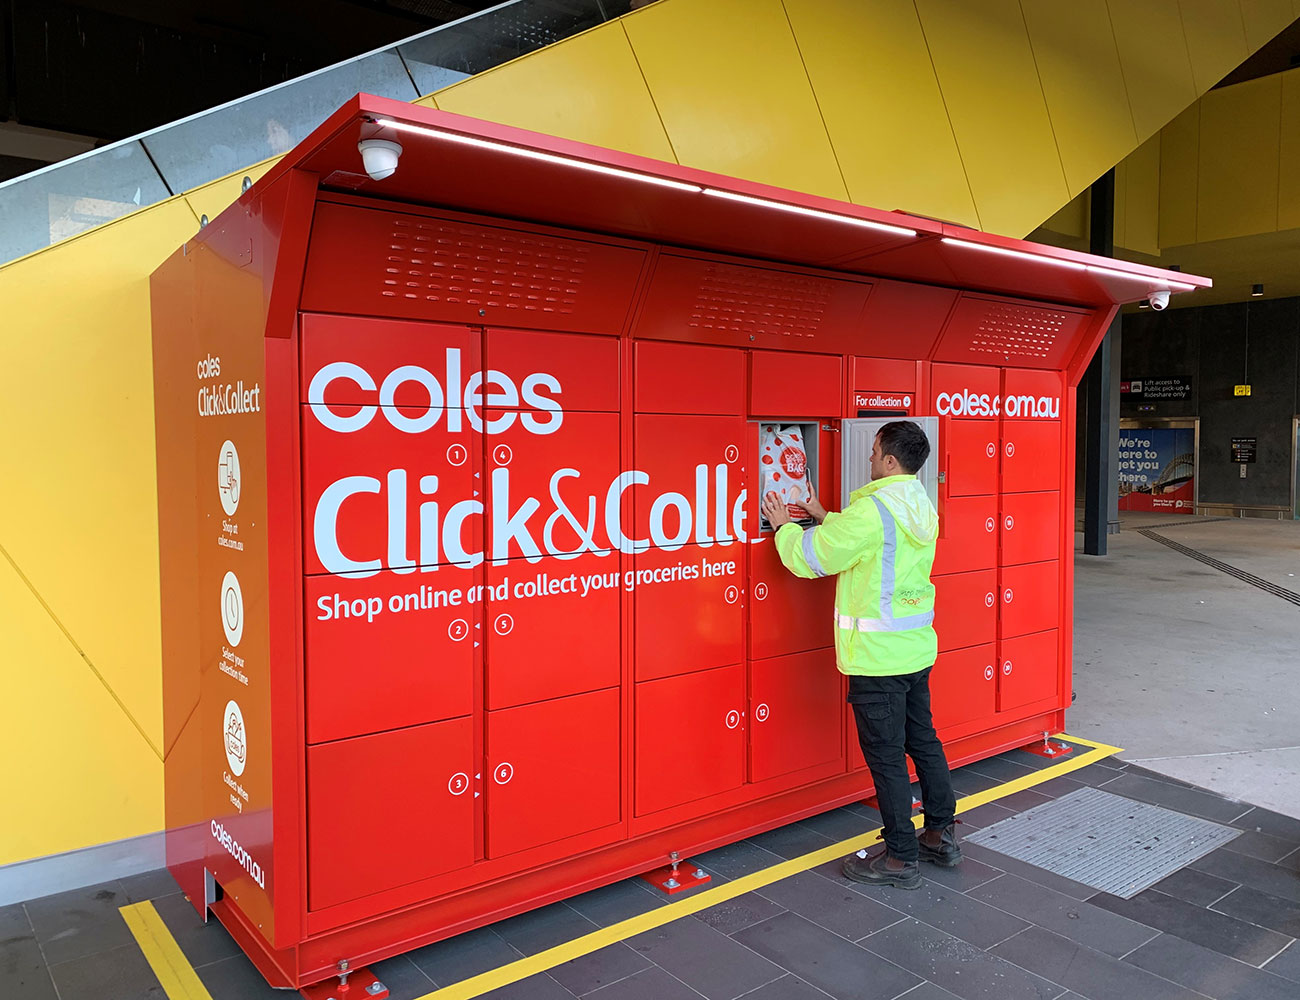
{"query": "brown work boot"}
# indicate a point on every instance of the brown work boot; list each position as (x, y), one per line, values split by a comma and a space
(938, 845)
(882, 869)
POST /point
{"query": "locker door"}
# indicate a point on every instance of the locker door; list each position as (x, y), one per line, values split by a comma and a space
(693, 469)
(567, 371)
(965, 392)
(689, 609)
(970, 457)
(1031, 455)
(965, 608)
(380, 655)
(968, 538)
(387, 810)
(787, 614)
(795, 712)
(963, 686)
(688, 378)
(552, 628)
(1031, 527)
(1028, 670)
(1031, 595)
(690, 737)
(552, 771)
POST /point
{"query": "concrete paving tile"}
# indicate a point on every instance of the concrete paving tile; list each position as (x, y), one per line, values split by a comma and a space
(543, 928)
(1212, 930)
(1274, 879)
(708, 961)
(1022, 800)
(237, 979)
(1272, 823)
(538, 987)
(589, 973)
(791, 841)
(122, 973)
(964, 877)
(202, 943)
(1031, 873)
(928, 991)
(1094, 775)
(14, 922)
(827, 961)
(619, 901)
(1086, 972)
(1208, 971)
(652, 984)
(22, 969)
(1194, 887)
(1260, 908)
(832, 905)
(1191, 801)
(962, 916)
(787, 988)
(839, 824)
(1262, 846)
(1036, 762)
(1080, 921)
(1286, 964)
(737, 914)
(968, 782)
(149, 885)
(957, 966)
(985, 815)
(72, 925)
(736, 860)
(463, 956)
(403, 979)
(1003, 770)
(1056, 787)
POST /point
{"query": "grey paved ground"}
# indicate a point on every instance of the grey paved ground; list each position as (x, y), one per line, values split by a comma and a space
(1223, 927)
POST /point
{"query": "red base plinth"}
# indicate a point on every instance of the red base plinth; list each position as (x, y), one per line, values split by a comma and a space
(670, 880)
(1049, 748)
(361, 985)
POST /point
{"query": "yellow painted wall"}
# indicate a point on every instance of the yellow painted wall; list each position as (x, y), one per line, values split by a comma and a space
(986, 112)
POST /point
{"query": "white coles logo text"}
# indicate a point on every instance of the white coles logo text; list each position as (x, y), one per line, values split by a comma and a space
(236, 850)
(966, 403)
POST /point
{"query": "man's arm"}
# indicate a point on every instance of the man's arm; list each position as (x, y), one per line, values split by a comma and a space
(831, 547)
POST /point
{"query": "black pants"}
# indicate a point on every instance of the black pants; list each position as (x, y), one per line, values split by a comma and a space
(893, 715)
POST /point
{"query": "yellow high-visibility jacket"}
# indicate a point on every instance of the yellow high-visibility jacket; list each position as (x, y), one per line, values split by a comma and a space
(880, 548)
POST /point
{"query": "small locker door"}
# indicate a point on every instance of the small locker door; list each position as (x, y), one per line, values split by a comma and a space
(1028, 671)
(858, 437)
(965, 609)
(1031, 598)
(691, 477)
(1031, 527)
(552, 771)
(968, 535)
(389, 809)
(689, 608)
(970, 457)
(690, 737)
(787, 614)
(963, 686)
(795, 713)
(1031, 455)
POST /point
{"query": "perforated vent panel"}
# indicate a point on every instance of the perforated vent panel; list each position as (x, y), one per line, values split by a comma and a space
(985, 330)
(1018, 331)
(751, 301)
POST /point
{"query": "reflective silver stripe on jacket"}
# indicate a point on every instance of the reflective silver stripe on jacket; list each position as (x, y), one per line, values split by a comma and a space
(889, 553)
(810, 554)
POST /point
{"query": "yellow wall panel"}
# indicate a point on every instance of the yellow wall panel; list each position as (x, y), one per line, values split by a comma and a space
(1153, 52)
(1180, 151)
(1216, 39)
(885, 115)
(215, 197)
(986, 70)
(587, 88)
(76, 378)
(1236, 193)
(85, 775)
(1288, 195)
(1071, 219)
(1078, 63)
(730, 86)
(1264, 19)
(1142, 198)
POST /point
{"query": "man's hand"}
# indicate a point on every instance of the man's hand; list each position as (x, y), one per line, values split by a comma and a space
(813, 506)
(774, 510)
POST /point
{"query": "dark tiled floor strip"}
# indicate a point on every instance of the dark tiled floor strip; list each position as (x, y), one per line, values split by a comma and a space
(1224, 927)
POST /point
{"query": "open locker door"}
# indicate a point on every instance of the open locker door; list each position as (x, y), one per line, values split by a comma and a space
(859, 435)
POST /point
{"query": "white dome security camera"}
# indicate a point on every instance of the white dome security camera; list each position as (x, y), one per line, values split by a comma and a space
(1159, 299)
(379, 157)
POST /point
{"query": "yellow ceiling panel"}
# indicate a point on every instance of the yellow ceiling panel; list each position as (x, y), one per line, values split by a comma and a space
(1288, 195)
(1142, 198)
(885, 115)
(1072, 219)
(1153, 52)
(1180, 151)
(587, 88)
(1216, 39)
(1264, 19)
(1078, 63)
(990, 85)
(1121, 204)
(1238, 194)
(730, 86)
(76, 373)
(86, 776)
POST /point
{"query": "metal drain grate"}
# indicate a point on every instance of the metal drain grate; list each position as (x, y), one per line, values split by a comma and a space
(1104, 840)
(1223, 567)
(1186, 522)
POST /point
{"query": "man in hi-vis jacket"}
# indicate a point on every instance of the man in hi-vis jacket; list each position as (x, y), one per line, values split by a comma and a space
(881, 549)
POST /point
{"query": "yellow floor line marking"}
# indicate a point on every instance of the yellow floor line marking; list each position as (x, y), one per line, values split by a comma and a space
(178, 978)
(585, 945)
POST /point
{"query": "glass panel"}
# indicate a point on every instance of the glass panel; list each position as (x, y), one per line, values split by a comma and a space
(71, 197)
(220, 142)
(456, 51)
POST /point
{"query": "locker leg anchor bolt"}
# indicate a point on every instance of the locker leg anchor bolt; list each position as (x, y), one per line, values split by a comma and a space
(1049, 748)
(351, 984)
(671, 879)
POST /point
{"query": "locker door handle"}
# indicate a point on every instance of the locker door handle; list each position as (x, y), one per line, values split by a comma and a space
(1006, 668)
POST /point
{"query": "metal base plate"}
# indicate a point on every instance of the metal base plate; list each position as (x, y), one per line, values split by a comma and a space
(1049, 748)
(361, 985)
(687, 876)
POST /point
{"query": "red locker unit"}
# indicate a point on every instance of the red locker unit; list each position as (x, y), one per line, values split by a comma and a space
(481, 565)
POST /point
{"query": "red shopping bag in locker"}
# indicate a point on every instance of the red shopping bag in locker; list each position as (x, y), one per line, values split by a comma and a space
(783, 467)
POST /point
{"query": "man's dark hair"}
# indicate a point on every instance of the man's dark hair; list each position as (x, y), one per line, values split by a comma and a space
(906, 442)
